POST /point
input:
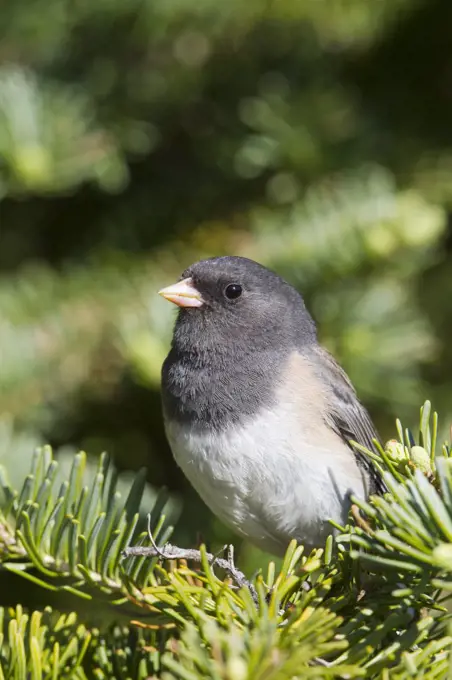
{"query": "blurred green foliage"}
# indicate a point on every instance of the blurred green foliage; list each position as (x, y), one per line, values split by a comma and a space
(137, 137)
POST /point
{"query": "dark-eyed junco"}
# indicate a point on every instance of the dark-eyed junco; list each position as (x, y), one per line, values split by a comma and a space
(258, 415)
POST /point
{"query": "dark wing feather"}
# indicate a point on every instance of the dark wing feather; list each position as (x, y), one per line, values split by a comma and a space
(347, 416)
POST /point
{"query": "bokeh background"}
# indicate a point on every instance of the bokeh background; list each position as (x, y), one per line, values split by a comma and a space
(136, 137)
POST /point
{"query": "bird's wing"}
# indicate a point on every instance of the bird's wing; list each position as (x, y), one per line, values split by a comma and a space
(346, 415)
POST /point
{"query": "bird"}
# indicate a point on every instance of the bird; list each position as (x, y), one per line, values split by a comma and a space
(258, 415)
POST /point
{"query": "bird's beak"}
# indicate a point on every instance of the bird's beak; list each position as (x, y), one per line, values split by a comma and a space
(183, 294)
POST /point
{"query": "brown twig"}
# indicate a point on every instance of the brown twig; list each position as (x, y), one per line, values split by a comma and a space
(359, 519)
(172, 552)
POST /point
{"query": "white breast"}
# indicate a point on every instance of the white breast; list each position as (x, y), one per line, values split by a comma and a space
(267, 480)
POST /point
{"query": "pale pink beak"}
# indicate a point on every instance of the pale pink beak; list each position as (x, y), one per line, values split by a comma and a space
(183, 294)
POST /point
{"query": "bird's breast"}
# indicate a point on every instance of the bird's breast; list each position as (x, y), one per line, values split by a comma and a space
(271, 477)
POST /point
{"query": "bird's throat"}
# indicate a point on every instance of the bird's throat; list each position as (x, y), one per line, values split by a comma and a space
(215, 390)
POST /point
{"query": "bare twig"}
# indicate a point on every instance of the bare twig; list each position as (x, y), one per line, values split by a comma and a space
(321, 662)
(172, 552)
(360, 521)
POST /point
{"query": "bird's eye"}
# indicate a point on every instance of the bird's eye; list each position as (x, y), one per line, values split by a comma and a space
(233, 291)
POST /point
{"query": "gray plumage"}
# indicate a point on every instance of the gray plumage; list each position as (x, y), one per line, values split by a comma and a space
(258, 415)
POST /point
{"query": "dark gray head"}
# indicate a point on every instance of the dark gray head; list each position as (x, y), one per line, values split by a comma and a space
(235, 304)
(237, 324)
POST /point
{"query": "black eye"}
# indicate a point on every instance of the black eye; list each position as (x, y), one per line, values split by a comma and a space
(233, 291)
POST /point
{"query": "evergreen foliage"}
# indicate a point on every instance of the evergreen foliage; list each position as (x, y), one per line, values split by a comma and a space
(370, 604)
